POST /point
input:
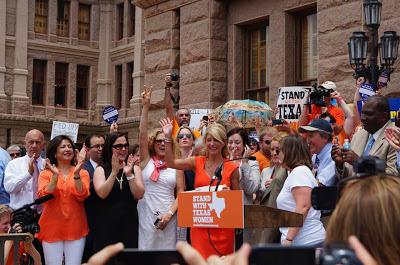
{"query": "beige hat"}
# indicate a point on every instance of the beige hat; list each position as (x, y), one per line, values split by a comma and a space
(329, 85)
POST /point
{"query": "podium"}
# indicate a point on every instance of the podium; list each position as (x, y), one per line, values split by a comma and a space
(225, 209)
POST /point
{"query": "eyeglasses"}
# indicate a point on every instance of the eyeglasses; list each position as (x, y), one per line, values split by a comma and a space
(120, 146)
(184, 135)
(98, 146)
(160, 141)
(15, 154)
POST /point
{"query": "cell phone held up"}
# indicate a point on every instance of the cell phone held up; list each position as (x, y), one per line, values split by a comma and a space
(156, 221)
(277, 122)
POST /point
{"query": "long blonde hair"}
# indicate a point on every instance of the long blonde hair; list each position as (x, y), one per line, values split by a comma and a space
(369, 208)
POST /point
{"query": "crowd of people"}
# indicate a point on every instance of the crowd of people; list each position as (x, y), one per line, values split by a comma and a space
(111, 191)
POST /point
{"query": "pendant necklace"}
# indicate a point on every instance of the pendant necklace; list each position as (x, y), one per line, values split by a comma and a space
(120, 180)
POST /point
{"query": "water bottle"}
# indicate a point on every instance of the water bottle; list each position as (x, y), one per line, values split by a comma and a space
(346, 145)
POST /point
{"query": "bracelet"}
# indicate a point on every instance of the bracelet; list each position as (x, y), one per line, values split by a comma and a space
(77, 177)
(171, 213)
(130, 178)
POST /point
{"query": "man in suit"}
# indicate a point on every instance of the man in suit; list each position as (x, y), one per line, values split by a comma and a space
(375, 118)
(94, 145)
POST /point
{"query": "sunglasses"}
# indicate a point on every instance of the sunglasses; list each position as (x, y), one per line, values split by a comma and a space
(267, 141)
(184, 135)
(160, 141)
(120, 146)
(98, 146)
(15, 154)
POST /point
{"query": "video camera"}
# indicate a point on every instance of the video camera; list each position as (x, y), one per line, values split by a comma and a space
(318, 94)
(27, 217)
(325, 198)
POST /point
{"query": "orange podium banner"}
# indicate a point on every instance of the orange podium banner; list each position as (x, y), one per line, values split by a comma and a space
(220, 209)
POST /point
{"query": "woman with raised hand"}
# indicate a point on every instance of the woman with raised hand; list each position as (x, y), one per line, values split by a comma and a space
(63, 220)
(119, 184)
(213, 241)
(157, 226)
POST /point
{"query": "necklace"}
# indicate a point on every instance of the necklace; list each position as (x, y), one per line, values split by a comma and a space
(120, 180)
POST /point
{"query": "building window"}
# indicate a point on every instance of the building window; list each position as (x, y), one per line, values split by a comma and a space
(120, 21)
(129, 82)
(118, 86)
(82, 86)
(63, 19)
(41, 11)
(258, 64)
(39, 81)
(307, 66)
(61, 84)
(84, 22)
(132, 21)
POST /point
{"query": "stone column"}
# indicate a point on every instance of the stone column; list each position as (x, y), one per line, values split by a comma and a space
(52, 21)
(124, 85)
(138, 64)
(71, 91)
(127, 16)
(73, 22)
(2, 53)
(105, 68)
(31, 20)
(19, 99)
(50, 90)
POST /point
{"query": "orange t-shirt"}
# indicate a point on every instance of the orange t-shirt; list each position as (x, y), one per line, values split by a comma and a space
(263, 161)
(175, 129)
(336, 112)
(63, 217)
(223, 239)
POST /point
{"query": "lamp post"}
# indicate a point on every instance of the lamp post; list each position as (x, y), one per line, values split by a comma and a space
(360, 44)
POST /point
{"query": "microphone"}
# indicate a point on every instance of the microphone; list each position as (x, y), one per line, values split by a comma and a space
(43, 199)
(253, 158)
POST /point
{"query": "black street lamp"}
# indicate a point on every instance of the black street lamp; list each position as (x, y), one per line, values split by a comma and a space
(358, 46)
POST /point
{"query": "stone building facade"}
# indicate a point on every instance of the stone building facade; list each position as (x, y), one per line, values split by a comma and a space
(222, 49)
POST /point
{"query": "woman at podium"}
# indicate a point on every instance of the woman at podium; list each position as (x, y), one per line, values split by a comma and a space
(208, 241)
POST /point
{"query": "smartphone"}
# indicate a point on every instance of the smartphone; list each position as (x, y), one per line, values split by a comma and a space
(324, 198)
(205, 118)
(156, 221)
(279, 255)
(277, 122)
(133, 256)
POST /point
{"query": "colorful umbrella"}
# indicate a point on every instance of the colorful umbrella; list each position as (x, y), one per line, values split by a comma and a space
(243, 113)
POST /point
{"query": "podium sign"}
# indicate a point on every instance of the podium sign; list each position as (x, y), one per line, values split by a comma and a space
(221, 209)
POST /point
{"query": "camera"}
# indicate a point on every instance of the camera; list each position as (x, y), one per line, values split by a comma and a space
(174, 77)
(325, 198)
(27, 217)
(318, 94)
(341, 255)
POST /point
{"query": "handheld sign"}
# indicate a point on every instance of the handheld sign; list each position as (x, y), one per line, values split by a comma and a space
(221, 209)
(290, 102)
(65, 128)
(110, 114)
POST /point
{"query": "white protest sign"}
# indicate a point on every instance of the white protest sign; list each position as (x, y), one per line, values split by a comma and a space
(290, 102)
(65, 128)
(196, 116)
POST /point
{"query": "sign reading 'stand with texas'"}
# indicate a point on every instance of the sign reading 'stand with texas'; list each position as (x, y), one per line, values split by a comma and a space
(221, 209)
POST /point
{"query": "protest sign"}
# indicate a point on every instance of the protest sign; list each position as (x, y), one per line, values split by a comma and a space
(394, 105)
(65, 128)
(110, 114)
(290, 102)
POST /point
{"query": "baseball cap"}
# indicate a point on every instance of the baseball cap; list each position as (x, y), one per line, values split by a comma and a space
(317, 125)
(329, 85)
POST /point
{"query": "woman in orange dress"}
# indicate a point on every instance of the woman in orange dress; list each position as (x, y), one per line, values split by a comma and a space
(63, 221)
(208, 241)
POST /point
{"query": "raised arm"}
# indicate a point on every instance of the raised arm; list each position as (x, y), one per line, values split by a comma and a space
(169, 109)
(143, 129)
(181, 164)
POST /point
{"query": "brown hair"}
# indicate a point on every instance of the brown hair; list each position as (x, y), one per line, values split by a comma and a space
(369, 208)
(296, 152)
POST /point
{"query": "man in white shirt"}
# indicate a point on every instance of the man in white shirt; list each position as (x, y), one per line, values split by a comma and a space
(21, 174)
